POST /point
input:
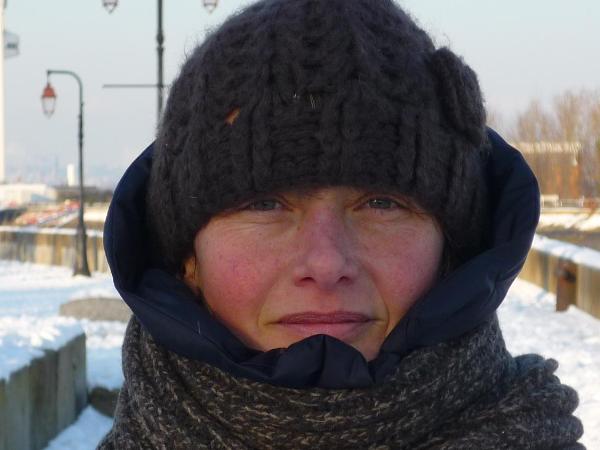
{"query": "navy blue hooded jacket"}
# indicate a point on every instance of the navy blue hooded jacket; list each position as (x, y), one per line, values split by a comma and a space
(457, 304)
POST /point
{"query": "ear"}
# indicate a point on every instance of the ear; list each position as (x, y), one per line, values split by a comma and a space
(190, 277)
(459, 94)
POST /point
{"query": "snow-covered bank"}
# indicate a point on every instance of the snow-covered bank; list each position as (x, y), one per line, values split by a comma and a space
(561, 249)
(531, 325)
(575, 220)
(30, 297)
(84, 434)
(25, 338)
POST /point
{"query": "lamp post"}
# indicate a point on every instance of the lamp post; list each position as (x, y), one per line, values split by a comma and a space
(110, 6)
(48, 103)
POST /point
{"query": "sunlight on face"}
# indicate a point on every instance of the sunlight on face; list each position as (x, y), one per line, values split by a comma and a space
(339, 261)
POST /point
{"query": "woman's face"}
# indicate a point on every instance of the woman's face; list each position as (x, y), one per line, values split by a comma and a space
(339, 261)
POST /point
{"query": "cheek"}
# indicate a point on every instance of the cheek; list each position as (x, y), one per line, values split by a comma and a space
(405, 265)
(233, 284)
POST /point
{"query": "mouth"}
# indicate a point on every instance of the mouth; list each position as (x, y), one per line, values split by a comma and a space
(342, 325)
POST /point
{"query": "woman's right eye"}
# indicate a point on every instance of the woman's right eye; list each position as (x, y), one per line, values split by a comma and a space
(267, 204)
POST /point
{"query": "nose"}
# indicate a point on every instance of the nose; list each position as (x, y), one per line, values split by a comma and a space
(327, 257)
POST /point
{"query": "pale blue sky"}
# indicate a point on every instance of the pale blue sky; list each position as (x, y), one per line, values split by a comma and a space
(520, 49)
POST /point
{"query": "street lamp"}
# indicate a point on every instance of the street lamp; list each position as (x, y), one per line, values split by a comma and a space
(48, 103)
(110, 5)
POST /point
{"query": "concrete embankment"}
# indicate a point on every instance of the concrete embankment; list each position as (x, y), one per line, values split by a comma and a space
(44, 391)
(50, 246)
(570, 271)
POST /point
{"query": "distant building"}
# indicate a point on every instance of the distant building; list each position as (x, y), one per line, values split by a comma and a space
(92, 194)
(71, 180)
(15, 195)
(556, 166)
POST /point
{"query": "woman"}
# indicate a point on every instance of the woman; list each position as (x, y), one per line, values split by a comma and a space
(315, 247)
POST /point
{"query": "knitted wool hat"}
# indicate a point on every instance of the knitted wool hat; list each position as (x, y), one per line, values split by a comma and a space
(292, 93)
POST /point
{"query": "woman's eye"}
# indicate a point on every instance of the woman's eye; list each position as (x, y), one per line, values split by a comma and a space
(383, 203)
(264, 205)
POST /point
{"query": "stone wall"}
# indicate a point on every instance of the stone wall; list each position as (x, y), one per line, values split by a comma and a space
(50, 246)
(40, 400)
(542, 269)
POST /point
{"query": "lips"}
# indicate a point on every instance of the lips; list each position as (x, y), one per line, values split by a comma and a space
(342, 325)
(328, 318)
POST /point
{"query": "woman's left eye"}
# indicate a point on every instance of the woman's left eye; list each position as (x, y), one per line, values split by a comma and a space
(382, 203)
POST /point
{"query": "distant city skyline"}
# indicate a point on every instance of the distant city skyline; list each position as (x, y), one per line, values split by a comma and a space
(520, 50)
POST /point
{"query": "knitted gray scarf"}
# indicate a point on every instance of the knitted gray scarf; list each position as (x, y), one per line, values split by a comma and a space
(467, 394)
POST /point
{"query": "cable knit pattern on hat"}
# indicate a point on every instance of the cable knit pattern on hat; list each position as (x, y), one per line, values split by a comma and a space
(319, 92)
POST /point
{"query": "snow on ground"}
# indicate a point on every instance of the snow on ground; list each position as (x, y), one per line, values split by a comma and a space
(84, 434)
(25, 338)
(30, 297)
(39, 290)
(531, 325)
(96, 292)
(31, 293)
(104, 341)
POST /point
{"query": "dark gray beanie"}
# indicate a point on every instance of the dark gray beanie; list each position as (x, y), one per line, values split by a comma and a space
(292, 93)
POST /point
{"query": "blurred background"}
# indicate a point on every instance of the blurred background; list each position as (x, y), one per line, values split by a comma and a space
(536, 60)
(538, 66)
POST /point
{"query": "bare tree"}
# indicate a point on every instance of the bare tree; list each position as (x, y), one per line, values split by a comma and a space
(591, 178)
(494, 119)
(570, 111)
(534, 124)
(592, 131)
(574, 118)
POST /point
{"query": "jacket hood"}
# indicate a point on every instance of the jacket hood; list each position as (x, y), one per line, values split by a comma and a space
(457, 304)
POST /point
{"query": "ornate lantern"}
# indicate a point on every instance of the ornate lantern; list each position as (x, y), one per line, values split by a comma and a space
(110, 5)
(210, 5)
(48, 100)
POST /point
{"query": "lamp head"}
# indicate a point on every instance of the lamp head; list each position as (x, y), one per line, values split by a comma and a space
(48, 100)
(110, 5)
(210, 5)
